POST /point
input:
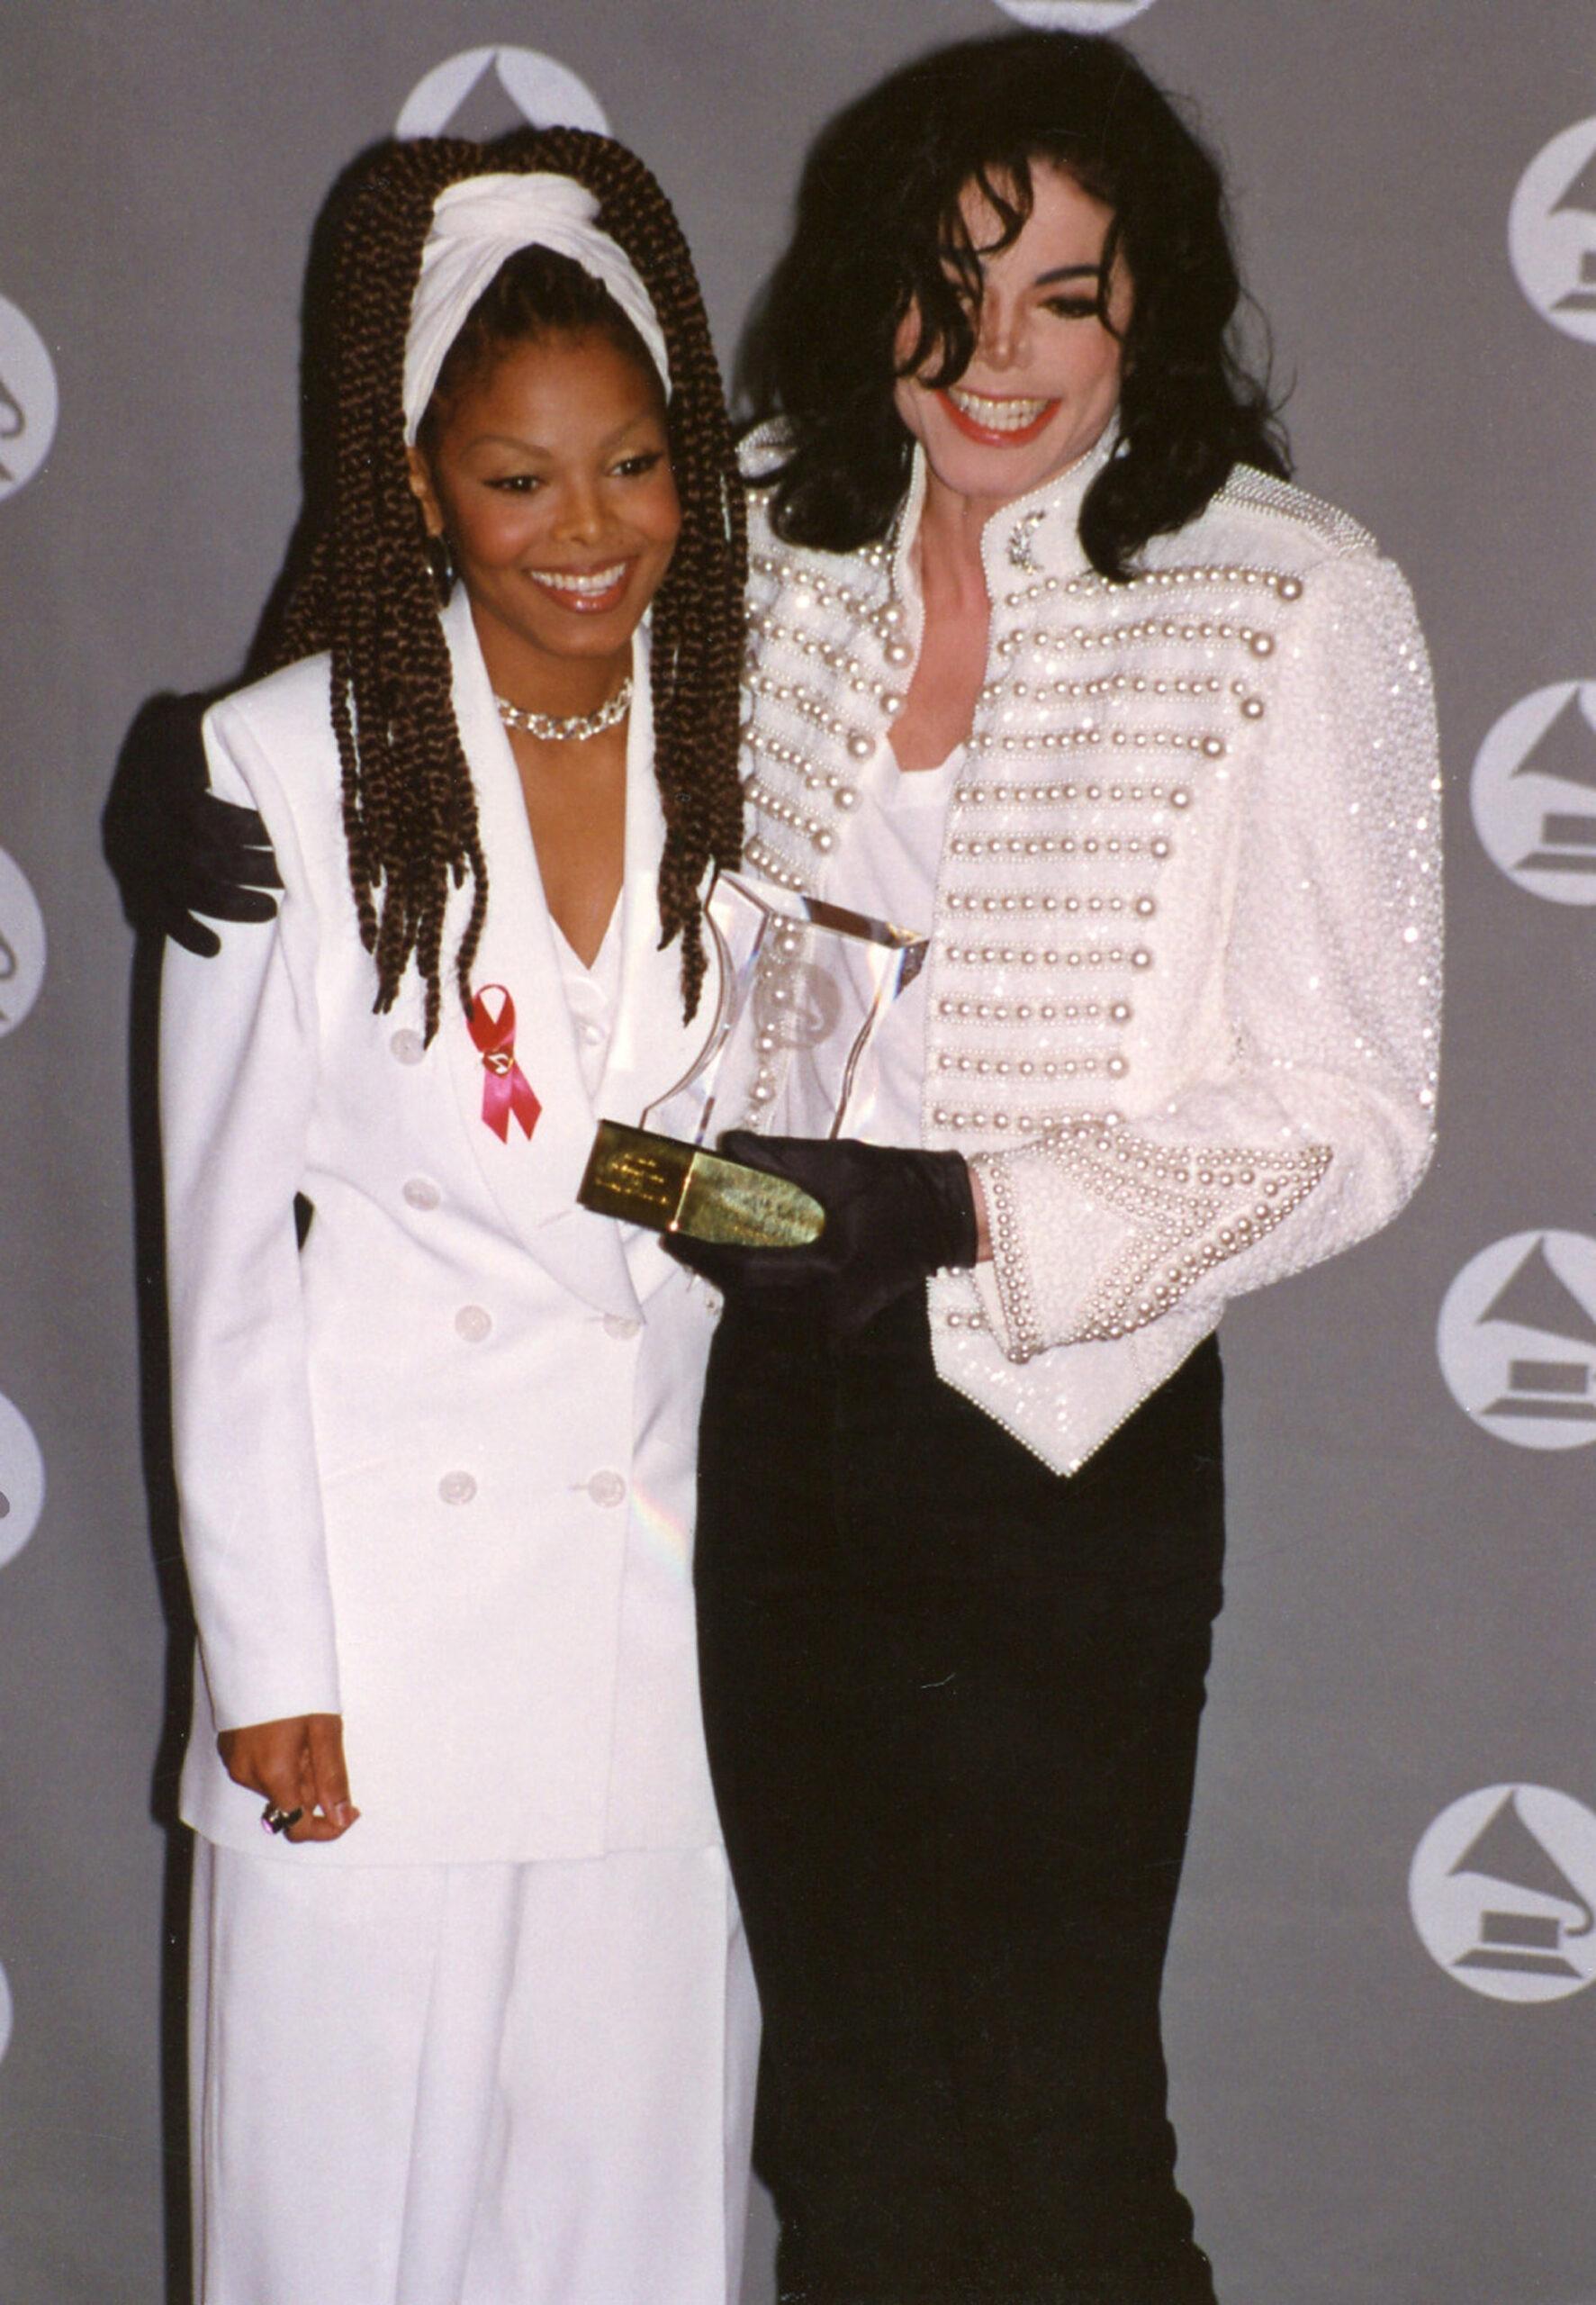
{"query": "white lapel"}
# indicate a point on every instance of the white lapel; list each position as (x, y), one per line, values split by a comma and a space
(534, 1180)
(651, 1047)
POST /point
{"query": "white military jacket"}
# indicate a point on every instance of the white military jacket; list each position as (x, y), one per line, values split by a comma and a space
(1185, 973)
(437, 1473)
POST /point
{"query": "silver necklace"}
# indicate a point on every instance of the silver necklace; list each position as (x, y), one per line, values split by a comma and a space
(578, 728)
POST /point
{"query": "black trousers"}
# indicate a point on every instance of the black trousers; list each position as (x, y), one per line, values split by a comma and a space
(952, 1702)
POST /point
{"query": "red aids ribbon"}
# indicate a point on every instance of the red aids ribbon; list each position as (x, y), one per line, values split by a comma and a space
(506, 1089)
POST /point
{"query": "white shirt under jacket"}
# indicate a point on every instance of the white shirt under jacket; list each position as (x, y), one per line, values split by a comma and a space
(438, 1472)
(1183, 992)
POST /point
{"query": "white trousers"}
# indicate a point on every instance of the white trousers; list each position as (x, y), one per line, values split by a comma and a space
(473, 2084)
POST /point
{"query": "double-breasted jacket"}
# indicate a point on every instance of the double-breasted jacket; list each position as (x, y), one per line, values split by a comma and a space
(436, 1471)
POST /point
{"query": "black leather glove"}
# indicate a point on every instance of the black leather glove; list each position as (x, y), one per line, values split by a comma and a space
(892, 1216)
(175, 849)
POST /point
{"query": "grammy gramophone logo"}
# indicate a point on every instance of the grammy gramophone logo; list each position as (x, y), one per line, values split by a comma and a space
(1074, 15)
(22, 1482)
(22, 945)
(1551, 231)
(1517, 1340)
(1502, 1890)
(29, 400)
(1534, 793)
(485, 92)
(798, 1008)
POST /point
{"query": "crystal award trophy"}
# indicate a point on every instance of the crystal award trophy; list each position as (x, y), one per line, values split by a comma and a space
(802, 985)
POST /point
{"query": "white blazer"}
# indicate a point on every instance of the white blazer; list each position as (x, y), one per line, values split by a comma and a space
(436, 1471)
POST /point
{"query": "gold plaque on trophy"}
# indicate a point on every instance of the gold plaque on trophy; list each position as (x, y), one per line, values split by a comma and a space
(675, 1187)
(800, 986)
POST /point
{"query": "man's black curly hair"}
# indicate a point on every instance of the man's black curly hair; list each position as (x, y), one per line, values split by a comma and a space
(879, 231)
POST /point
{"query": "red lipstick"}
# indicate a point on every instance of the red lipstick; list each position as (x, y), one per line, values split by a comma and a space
(987, 435)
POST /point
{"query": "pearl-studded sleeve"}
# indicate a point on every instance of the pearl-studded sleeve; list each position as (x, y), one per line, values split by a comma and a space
(1314, 1123)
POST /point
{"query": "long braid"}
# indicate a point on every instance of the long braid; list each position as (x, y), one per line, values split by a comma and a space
(367, 595)
(698, 612)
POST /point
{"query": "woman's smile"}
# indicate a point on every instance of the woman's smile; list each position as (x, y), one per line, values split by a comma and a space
(586, 592)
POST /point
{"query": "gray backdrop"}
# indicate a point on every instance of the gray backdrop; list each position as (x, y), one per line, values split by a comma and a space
(1382, 2047)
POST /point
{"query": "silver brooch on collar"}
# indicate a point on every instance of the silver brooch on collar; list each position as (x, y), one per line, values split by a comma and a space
(1020, 555)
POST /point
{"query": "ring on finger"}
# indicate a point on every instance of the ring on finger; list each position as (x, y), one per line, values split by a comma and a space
(274, 1820)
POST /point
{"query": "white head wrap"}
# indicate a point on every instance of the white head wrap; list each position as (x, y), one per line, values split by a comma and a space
(476, 225)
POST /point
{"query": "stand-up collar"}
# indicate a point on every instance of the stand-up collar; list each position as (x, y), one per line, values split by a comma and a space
(1040, 530)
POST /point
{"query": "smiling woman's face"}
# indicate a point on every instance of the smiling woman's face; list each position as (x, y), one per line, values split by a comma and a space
(1044, 378)
(550, 477)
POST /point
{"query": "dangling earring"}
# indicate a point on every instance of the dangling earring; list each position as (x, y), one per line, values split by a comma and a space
(440, 560)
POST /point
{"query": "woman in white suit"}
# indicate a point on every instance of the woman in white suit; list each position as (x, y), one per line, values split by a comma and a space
(472, 2020)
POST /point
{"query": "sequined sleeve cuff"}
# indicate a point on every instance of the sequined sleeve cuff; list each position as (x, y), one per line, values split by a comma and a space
(1111, 1231)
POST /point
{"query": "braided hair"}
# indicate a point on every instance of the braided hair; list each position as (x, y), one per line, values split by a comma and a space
(367, 592)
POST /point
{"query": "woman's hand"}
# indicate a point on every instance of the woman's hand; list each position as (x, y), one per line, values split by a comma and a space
(295, 1764)
(893, 1214)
